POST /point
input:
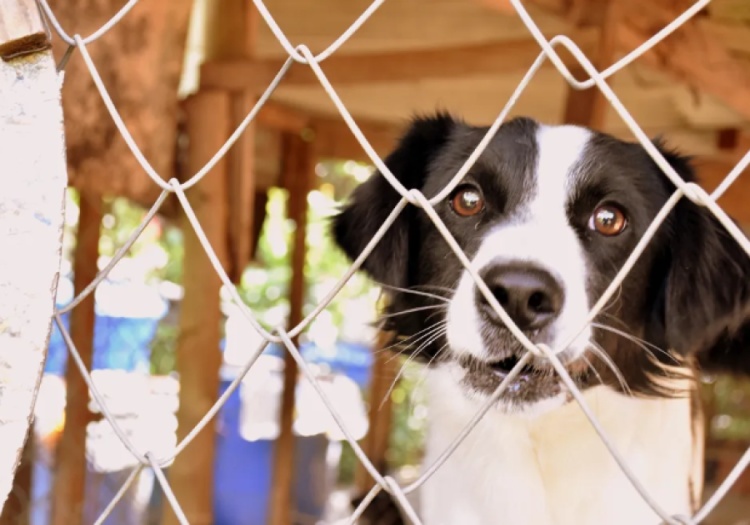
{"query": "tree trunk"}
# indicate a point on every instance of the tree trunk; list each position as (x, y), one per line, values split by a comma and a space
(140, 61)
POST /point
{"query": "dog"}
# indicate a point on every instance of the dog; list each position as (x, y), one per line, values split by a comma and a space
(547, 216)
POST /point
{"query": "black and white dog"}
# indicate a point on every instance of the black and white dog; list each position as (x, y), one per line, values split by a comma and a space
(547, 216)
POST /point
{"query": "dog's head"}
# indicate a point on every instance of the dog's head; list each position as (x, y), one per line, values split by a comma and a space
(548, 216)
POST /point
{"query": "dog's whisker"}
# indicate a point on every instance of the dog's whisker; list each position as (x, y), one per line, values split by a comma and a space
(412, 310)
(601, 354)
(593, 369)
(425, 334)
(425, 371)
(400, 342)
(414, 353)
(445, 289)
(645, 345)
(415, 292)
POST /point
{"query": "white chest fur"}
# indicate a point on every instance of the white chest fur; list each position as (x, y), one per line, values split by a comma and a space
(553, 469)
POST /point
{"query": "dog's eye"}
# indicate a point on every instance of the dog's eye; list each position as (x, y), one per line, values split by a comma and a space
(608, 220)
(467, 201)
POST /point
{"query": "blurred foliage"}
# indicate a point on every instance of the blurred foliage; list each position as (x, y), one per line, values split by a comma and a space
(728, 400)
(264, 285)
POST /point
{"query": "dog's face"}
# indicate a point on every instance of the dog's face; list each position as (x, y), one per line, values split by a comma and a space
(547, 216)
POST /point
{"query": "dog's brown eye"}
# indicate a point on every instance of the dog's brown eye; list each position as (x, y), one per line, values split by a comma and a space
(467, 201)
(608, 220)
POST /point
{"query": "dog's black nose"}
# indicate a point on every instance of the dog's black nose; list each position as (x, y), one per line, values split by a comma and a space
(531, 296)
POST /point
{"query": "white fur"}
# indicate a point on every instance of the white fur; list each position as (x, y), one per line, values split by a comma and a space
(553, 469)
(538, 233)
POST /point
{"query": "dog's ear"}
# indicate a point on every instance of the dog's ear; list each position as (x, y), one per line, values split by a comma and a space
(372, 202)
(706, 295)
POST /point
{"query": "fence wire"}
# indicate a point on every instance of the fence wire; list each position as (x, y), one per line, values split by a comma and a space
(300, 53)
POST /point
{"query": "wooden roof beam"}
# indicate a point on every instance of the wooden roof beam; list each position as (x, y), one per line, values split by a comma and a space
(693, 54)
(580, 13)
(390, 67)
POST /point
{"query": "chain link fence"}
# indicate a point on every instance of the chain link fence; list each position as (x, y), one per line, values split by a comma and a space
(300, 53)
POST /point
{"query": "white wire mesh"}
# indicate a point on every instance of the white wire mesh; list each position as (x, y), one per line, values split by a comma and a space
(302, 54)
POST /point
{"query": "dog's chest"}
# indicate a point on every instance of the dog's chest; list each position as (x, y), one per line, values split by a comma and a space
(554, 469)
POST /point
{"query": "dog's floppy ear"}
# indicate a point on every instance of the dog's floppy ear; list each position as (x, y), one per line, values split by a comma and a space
(373, 201)
(707, 288)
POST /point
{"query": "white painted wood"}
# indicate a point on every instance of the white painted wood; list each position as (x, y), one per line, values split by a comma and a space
(32, 185)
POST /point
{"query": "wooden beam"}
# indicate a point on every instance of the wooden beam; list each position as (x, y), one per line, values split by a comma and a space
(690, 54)
(496, 58)
(198, 355)
(231, 33)
(589, 107)
(331, 137)
(280, 117)
(713, 170)
(580, 13)
(298, 172)
(231, 29)
(334, 140)
(241, 181)
(693, 54)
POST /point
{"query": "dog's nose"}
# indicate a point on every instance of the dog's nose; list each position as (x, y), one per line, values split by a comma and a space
(531, 296)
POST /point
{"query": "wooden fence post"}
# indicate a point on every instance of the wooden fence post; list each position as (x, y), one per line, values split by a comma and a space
(33, 179)
(69, 486)
(298, 171)
(198, 344)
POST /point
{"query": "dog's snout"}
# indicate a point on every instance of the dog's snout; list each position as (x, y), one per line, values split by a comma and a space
(531, 296)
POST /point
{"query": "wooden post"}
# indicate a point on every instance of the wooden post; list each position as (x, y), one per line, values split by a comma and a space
(298, 171)
(589, 107)
(380, 414)
(31, 220)
(70, 476)
(231, 33)
(241, 181)
(198, 356)
(32, 150)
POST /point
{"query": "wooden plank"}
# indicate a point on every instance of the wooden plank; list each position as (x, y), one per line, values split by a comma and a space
(21, 28)
(70, 474)
(494, 58)
(198, 356)
(298, 172)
